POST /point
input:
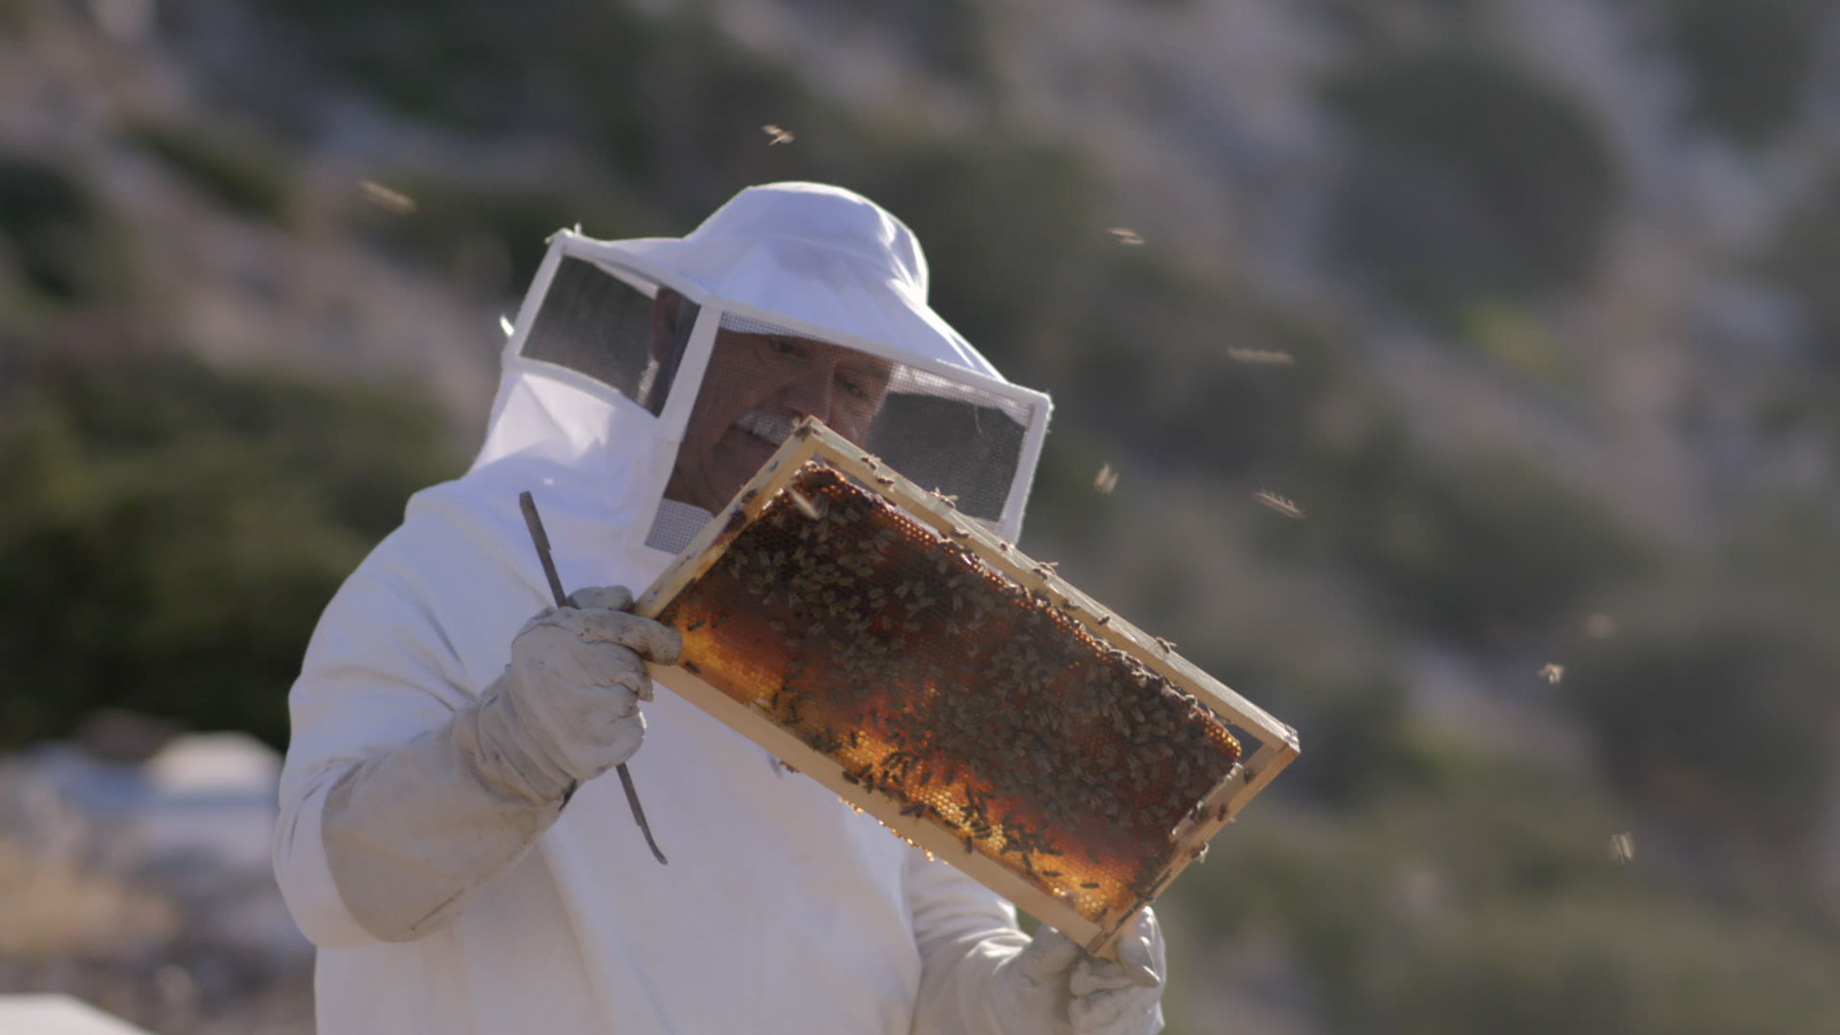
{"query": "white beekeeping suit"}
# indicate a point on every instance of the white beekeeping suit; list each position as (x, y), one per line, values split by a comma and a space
(444, 838)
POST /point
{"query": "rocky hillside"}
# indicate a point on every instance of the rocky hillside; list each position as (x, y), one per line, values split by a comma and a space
(1522, 308)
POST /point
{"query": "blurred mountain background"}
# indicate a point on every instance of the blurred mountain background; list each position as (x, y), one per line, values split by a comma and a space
(1457, 379)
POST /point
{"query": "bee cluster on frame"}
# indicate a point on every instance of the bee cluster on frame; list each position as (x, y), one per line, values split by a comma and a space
(976, 704)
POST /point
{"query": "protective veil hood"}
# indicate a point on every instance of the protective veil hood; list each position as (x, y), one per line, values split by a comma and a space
(596, 392)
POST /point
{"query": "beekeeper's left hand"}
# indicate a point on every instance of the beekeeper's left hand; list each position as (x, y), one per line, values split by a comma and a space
(1053, 986)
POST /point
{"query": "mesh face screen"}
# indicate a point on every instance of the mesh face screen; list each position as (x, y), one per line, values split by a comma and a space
(943, 434)
(934, 679)
(599, 326)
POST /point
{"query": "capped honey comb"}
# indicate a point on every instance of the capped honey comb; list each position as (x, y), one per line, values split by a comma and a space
(940, 680)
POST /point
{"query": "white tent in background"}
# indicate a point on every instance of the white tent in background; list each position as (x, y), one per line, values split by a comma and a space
(58, 1015)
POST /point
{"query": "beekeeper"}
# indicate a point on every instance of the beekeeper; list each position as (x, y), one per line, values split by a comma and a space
(450, 836)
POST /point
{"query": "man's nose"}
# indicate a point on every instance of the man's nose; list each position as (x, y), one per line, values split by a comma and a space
(811, 395)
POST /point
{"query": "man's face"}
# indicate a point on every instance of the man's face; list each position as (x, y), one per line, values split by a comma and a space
(757, 386)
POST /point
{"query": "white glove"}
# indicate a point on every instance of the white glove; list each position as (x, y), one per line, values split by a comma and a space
(412, 832)
(567, 708)
(1054, 987)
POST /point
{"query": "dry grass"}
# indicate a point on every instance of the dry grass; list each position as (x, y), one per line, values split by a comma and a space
(86, 912)
(57, 907)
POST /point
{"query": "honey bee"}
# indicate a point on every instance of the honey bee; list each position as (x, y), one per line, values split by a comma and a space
(805, 506)
(1622, 847)
(1273, 501)
(1261, 357)
(1106, 480)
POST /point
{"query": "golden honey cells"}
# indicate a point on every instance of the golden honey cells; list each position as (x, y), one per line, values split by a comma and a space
(935, 680)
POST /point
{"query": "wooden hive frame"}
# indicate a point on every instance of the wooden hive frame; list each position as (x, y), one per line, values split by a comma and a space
(1276, 742)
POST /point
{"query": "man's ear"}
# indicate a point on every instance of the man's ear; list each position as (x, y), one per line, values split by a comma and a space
(665, 312)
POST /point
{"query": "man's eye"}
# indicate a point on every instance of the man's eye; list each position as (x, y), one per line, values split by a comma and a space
(782, 347)
(855, 388)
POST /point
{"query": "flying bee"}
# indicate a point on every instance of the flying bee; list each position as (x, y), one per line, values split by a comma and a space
(1273, 501)
(805, 505)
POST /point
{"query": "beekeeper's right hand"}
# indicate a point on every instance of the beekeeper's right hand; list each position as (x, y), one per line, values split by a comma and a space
(567, 708)
(410, 833)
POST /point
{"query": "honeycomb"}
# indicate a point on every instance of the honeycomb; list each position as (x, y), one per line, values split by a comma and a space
(935, 679)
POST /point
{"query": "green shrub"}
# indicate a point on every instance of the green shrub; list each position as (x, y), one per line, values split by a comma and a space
(55, 230)
(492, 236)
(1616, 965)
(1482, 899)
(16, 16)
(1803, 262)
(1006, 224)
(1472, 178)
(1517, 342)
(1748, 64)
(670, 102)
(1487, 549)
(1145, 354)
(470, 63)
(176, 531)
(1354, 896)
(1713, 706)
(242, 171)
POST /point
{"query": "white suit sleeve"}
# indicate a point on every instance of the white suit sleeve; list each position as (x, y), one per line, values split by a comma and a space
(378, 675)
(964, 931)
